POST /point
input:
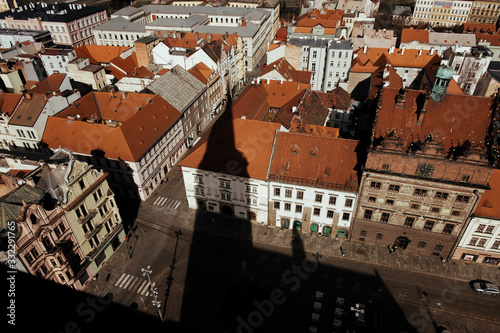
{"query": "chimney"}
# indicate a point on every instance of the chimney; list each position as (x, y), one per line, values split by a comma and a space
(419, 53)
(403, 50)
(365, 48)
(391, 50)
(124, 95)
(28, 95)
(209, 37)
(401, 99)
(243, 22)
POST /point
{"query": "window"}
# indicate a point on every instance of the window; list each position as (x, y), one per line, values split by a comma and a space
(288, 193)
(199, 190)
(465, 178)
(462, 198)
(438, 247)
(429, 225)
(372, 199)
(385, 167)
(389, 202)
(448, 228)
(368, 214)
(385, 217)
(455, 213)
(332, 200)
(81, 211)
(97, 195)
(379, 236)
(314, 54)
(198, 179)
(375, 185)
(496, 245)
(300, 195)
(348, 203)
(329, 214)
(298, 209)
(420, 192)
(276, 205)
(482, 242)
(441, 195)
(316, 211)
(224, 183)
(277, 191)
(409, 221)
(480, 228)
(393, 188)
(414, 206)
(362, 233)
(489, 229)
(346, 216)
(87, 227)
(473, 241)
(421, 244)
(288, 206)
(319, 198)
(81, 183)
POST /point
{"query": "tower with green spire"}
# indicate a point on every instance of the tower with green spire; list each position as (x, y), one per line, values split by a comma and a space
(444, 75)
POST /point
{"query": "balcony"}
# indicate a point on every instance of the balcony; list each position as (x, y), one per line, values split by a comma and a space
(93, 232)
(84, 219)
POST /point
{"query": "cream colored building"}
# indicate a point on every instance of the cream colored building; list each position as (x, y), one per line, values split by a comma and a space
(484, 11)
(441, 13)
(89, 206)
(81, 70)
(4, 5)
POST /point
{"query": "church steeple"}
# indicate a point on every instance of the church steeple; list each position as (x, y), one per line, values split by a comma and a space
(444, 75)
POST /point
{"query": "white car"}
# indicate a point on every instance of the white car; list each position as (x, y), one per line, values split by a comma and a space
(486, 288)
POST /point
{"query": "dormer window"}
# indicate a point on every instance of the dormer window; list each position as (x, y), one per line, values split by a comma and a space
(314, 152)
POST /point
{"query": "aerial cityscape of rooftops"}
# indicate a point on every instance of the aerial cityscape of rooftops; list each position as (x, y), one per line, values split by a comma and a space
(250, 166)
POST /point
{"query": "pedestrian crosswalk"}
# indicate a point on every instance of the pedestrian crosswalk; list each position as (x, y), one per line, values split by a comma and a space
(135, 284)
(166, 202)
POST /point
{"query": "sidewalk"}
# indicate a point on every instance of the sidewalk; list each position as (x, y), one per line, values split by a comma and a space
(329, 246)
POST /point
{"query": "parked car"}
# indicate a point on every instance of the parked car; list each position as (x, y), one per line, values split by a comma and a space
(486, 288)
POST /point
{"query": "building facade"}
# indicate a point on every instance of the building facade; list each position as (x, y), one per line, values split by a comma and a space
(484, 11)
(69, 24)
(441, 13)
(422, 181)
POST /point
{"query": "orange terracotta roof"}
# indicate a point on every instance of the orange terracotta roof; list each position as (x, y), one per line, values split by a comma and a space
(128, 67)
(51, 83)
(408, 58)
(9, 102)
(201, 72)
(163, 71)
(327, 19)
(180, 42)
(309, 157)
(452, 121)
(493, 39)
(98, 54)
(286, 70)
(419, 35)
(232, 149)
(136, 131)
(316, 130)
(479, 27)
(274, 46)
(489, 205)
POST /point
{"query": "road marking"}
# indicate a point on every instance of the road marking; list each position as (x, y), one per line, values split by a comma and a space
(124, 280)
(150, 289)
(178, 203)
(142, 286)
(164, 201)
(121, 277)
(156, 201)
(128, 282)
(133, 283)
(143, 290)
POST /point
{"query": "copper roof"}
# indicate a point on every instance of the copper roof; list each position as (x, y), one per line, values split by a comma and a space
(241, 148)
(452, 121)
(310, 158)
(122, 126)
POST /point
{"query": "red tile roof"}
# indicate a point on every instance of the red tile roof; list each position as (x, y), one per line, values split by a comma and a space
(51, 83)
(241, 148)
(489, 205)
(419, 35)
(201, 72)
(100, 54)
(409, 58)
(493, 39)
(286, 70)
(452, 121)
(327, 19)
(128, 67)
(309, 158)
(141, 120)
(479, 27)
(9, 102)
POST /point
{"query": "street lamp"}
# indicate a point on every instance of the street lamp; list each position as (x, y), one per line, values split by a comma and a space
(156, 303)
